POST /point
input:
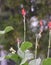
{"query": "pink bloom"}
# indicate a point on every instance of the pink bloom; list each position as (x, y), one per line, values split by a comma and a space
(49, 24)
(23, 11)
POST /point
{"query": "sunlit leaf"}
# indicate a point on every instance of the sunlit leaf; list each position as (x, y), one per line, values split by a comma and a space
(26, 45)
(46, 61)
(8, 29)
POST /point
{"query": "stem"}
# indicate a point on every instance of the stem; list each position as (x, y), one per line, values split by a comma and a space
(18, 44)
(36, 48)
(48, 46)
(24, 29)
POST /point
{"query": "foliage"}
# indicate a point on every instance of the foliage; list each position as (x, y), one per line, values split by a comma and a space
(3, 36)
(25, 46)
(25, 57)
(25, 63)
(46, 61)
(8, 29)
(12, 3)
(11, 16)
(13, 57)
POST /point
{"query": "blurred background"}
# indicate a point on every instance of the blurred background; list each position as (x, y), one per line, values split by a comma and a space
(11, 15)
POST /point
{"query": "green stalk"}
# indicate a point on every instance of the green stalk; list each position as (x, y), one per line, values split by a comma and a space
(49, 45)
(24, 28)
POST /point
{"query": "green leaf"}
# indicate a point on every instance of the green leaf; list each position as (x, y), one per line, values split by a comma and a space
(8, 29)
(46, 61)
(25, 63)
(25, 46)
(13, 57)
